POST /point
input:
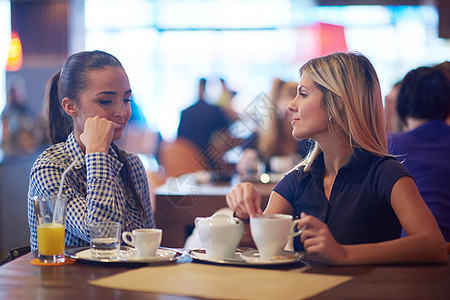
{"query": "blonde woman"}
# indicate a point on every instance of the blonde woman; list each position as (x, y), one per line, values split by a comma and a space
(353, 199)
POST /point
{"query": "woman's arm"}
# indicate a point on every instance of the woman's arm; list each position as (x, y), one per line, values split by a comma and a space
(278, 205)
(104, 200)
(99, 198)
(424, 243)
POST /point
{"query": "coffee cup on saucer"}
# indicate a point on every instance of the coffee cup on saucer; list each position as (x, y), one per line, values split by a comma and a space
(271, 232)
(146, 241)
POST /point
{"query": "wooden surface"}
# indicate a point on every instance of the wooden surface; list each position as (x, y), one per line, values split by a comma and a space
(20, 279)
(177, 206)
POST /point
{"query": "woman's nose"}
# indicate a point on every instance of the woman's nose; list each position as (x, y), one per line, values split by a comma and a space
(120, 110)
(292, 107)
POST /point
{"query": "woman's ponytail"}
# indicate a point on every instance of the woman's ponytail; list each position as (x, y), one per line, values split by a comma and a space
(58, 124)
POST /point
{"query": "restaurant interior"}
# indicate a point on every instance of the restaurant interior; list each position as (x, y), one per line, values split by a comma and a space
(166, 46)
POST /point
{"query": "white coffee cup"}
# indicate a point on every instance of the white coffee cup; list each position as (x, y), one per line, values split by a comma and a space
(146, 241)
(271, 232)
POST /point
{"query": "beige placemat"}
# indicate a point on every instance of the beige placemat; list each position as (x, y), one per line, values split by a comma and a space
(217, 282)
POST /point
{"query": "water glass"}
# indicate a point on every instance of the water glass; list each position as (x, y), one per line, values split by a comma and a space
(105, 239)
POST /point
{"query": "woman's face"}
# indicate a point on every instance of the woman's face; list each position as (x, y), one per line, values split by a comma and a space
(107, 96)
(309, 119)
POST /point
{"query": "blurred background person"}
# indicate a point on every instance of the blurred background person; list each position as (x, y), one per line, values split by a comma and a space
(22, 127)
(424, 148)
(138, 137)
(276, 139)
(273, 144)
(226, 99)
(205, 126)
(200, 121)
(445, 67)
(393, 121)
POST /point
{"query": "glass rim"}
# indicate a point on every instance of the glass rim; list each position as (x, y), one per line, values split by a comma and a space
(108, 223)
(273, 217)
(48, 197)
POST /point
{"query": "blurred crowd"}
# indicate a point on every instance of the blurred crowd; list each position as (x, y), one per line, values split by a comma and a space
(22, 130)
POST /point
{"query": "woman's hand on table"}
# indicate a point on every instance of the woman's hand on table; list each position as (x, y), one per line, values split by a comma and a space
(98, 134)
(245, 200)
(317, 239)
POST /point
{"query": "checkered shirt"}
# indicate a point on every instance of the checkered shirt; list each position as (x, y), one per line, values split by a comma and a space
(93, 187)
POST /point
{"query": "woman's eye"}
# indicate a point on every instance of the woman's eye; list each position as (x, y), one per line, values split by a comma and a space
(104, 102)
(303, 95)
(127, 100)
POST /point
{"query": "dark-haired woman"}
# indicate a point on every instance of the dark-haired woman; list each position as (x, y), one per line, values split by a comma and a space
(87, 109)
(424, 148)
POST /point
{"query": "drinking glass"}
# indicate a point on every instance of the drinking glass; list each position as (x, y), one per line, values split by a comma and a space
(105, 239)
(50, 214)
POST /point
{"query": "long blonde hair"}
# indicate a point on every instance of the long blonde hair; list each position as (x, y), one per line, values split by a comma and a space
(352, 98)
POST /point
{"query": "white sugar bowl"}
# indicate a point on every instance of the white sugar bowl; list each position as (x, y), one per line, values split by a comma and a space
(220, 235)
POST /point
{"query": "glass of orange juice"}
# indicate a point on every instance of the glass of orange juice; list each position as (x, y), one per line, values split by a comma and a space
(50, 217)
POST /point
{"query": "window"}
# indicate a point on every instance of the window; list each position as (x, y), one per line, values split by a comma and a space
(166, 46)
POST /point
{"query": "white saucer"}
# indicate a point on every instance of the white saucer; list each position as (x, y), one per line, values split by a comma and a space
(252, 257)
(129, 255)
(161, 255)
(200, 254)
(86, 255)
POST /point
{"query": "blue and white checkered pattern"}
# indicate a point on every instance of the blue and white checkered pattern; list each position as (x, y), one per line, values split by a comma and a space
(93, 187)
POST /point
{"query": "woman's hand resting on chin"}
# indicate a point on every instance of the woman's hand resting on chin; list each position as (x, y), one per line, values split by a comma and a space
(98, 134)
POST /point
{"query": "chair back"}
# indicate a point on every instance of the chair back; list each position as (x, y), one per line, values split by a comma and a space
(181, 157)
(15, 253)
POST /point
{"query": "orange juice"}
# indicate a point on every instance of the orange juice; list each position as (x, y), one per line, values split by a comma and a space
(50, 239)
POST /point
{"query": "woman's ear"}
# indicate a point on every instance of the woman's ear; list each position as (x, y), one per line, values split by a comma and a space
(69, 107)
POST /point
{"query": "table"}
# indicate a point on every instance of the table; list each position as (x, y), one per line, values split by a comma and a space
(20, 279)
(177, 204)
